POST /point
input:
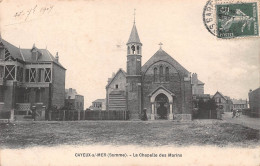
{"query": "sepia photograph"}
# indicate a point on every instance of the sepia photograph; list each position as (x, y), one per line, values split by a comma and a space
(120, 82)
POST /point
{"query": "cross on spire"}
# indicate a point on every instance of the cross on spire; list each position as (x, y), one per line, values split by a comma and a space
(160, 44)
(134, 15)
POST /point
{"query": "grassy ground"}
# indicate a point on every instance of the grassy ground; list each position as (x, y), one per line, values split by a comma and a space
(198, 132)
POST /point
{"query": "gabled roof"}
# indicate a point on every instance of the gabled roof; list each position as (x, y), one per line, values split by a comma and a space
(240, 101)
(25, 55)
(117, 73)
(199, 82)
(161, 87)
(14, 51)
(134, 37)
(70, 93)
(224, 97)
(161, 55)
(46, 56)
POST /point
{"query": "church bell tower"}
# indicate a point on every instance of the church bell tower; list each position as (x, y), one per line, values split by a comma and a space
(134, 77)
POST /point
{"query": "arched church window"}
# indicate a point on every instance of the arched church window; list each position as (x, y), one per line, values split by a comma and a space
(128, 50)
(133, 49)
(161, 73)
(167, 74)
(155, 75)
(138, 50)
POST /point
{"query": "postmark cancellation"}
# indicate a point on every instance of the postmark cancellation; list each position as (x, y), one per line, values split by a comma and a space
(232, 19)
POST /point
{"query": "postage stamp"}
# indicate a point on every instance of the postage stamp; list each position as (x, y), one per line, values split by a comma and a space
(237, 20)
(231, 19)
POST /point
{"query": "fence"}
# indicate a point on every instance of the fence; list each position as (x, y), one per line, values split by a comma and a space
(106, 115)
(70, 115)
(251, 113)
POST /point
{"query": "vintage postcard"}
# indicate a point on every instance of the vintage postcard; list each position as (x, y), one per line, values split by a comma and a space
(140, 82)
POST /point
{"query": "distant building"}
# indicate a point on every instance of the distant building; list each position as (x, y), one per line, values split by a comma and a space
(98, 105)
(197, 85)
(239, 104)
(29, 78)
(223, 102)
(254, 102)
(74, 100)
(198, 90)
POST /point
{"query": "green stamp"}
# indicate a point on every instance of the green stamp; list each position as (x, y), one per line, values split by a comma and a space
(237, 20)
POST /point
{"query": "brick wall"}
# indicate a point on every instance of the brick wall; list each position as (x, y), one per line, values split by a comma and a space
(58, 86)
(254, 104)
(134, 96)
(175, 85)
(134, 64)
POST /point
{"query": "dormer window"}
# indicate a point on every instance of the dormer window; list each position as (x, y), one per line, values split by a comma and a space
(7, 55)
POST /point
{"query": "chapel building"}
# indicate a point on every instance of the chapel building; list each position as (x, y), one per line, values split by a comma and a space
(162, 86)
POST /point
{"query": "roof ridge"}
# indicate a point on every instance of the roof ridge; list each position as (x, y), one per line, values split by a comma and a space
(120, 69)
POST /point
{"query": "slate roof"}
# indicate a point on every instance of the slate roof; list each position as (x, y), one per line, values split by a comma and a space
(14, 51)
(99, 100)
(134, 37)
(70, 92)
(46, 56)
(25, 55)
(199, 82)
(240, 101)
(161, 55)
(225, 97)
(112, 79)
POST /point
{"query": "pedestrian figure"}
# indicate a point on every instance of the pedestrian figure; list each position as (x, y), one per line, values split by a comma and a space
(234, 113)
(237, 114)
(144, 117)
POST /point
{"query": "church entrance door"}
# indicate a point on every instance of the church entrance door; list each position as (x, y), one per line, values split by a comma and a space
(162, 106)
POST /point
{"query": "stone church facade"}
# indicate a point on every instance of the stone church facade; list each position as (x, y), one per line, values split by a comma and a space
(161, 86)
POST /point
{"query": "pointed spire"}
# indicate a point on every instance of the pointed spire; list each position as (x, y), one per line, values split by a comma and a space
(134, 37)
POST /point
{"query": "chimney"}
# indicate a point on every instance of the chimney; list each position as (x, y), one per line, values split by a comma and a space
(194, 78)
(34, 53)
(109, 79)
(57, 57)
(70, 90)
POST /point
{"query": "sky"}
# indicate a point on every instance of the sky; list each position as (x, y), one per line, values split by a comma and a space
(91, 37)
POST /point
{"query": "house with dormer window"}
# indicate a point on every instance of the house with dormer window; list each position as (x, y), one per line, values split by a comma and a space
(29, 79)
